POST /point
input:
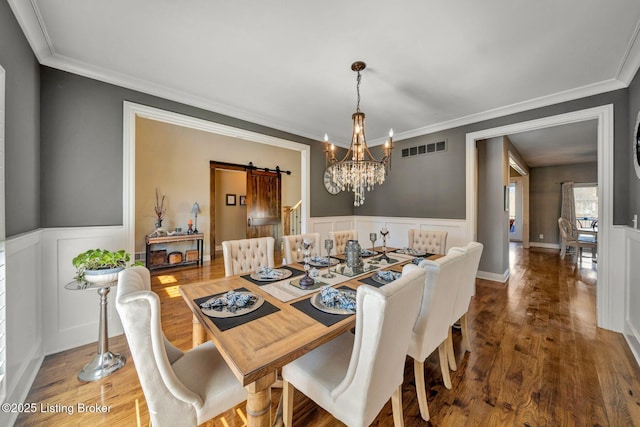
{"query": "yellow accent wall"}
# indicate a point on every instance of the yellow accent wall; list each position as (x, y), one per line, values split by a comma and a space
(175, 160)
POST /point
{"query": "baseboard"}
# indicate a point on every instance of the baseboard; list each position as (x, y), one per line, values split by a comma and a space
(544, 245)
(21, 390)
(634, 345)
(494, 277)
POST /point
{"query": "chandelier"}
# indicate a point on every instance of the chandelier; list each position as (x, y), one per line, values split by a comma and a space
(358, 170)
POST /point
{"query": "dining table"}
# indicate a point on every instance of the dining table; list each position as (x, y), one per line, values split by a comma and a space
(286, 326)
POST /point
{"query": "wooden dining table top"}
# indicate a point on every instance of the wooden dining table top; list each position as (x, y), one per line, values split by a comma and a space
(259, 347)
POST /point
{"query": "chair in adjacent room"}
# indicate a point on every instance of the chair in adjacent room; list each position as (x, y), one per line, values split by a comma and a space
(430, 241)
(354, 376)
(293, 251)
(433, 325)
(245, 255)
(181, 388)
(466, 290)
(340, 239)
(571, 238)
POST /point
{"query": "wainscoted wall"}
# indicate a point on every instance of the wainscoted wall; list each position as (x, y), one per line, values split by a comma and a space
(398, 228)
(632, 297)
(24, 327)
(71, 318)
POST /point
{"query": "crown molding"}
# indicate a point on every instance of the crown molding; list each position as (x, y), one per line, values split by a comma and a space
(631, 60)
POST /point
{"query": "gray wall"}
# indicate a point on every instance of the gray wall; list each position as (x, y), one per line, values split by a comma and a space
(22, 127)
(545, 197)
(634, 181)
(436, 186)
(493, 220)
(82, 150)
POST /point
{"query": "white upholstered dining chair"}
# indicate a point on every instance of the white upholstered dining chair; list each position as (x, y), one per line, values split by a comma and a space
(181, 389)
(340, 239)
(430, 241)
(466, 290)
(433, 325)
(293, 246)
(353, 376)
(241, 256)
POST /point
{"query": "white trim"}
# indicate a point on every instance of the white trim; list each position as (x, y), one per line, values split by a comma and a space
(631, 60)
(3, 276)
(544, 245)
(494, 277)
(609, 304)
(132, 110)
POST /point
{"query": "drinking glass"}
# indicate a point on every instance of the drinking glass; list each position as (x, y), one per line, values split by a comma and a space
(328, 245)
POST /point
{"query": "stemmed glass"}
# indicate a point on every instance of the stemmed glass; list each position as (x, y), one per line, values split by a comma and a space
(384, 233)
(328, 245)
(306, 281)
(373, 237)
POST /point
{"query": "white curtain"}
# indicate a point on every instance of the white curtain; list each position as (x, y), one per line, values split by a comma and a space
(568, 202)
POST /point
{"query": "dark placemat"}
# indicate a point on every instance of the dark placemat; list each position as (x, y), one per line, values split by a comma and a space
(369, 281)
(326, 319)
(224, 323)
(295, 272)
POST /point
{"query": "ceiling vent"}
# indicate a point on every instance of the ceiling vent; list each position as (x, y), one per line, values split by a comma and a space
(434, 147)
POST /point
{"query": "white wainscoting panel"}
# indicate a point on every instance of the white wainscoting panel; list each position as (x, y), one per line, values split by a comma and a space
(71, 318)
(326, 224)
(632, 326)
(24, 316)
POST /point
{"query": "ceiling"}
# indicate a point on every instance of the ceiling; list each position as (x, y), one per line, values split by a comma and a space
(286, 64)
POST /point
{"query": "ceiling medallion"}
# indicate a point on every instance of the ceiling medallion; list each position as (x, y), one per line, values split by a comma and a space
(358, 170)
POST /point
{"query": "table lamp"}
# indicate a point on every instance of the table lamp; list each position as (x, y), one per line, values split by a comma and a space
(195, 210)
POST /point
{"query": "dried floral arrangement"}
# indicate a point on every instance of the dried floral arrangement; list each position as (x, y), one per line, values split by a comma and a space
(159, 207)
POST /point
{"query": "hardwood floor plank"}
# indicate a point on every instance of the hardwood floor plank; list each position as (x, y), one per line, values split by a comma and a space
(538, 359)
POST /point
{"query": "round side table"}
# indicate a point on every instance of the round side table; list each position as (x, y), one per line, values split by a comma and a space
(104, 363)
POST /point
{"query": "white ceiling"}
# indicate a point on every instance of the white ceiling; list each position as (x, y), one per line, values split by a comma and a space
(286, 64)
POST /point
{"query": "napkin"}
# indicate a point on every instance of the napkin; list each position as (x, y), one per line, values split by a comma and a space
(417, 260)
(337, 299)
(389, 276)
(270, 273)
(230, 301)
(366, 252)
(319, 260)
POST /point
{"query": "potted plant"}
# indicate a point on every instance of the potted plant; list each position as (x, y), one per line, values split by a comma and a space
(100, 265)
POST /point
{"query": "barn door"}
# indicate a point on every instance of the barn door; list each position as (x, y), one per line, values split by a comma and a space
(263, 204)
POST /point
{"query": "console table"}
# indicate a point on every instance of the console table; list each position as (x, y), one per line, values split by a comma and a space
(164, 240)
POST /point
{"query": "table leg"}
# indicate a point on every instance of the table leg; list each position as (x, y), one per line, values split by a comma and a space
(199, 334)
(104, 362)
(259, 401)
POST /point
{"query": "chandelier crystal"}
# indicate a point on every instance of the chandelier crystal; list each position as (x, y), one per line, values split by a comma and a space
(358, 170)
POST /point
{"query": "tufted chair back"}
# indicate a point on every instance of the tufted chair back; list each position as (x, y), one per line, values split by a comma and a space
(433, 242)
(340, 239)
(241, 256)
(293, 251)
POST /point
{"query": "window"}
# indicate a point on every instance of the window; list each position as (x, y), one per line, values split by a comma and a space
(586, 199)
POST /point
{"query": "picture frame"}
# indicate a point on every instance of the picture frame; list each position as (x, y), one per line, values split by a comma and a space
(243, 200)
(231, 199)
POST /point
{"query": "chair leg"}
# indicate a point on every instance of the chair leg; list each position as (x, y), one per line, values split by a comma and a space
(464, 328)
(287, 403)
(442, 354)
(451, 357)
(396, 405)
(421, 390)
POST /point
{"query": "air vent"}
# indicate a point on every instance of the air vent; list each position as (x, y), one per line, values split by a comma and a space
(434, 147)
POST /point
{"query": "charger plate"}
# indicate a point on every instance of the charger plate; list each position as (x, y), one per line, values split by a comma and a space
(286, 274)
(239, 312)
(316, 301)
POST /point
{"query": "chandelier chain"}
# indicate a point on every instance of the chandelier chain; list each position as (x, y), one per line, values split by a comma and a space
(358, 91)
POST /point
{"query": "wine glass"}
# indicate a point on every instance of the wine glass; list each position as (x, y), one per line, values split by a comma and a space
(328, 245)
(373, 237)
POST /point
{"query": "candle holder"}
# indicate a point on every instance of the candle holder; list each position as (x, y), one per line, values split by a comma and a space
(306, 281)
(328, 245)
(384, 233)
(373, 237)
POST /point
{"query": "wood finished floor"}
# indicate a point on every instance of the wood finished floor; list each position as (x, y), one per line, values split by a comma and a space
(538, 360)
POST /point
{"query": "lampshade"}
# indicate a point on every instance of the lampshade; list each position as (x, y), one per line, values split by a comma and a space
(196, 208)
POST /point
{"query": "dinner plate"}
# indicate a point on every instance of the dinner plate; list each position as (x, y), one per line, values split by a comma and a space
(317, 302)
(367, 252)
(380, 280)
(286, 274)
(411, 252)
(333, 262)
(239, 312)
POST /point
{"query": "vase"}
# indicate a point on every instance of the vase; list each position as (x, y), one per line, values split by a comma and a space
(103, 275)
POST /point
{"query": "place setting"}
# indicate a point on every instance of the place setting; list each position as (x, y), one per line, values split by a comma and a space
(330, 305)
(381, 278)
(233, 308)
(266, 275)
